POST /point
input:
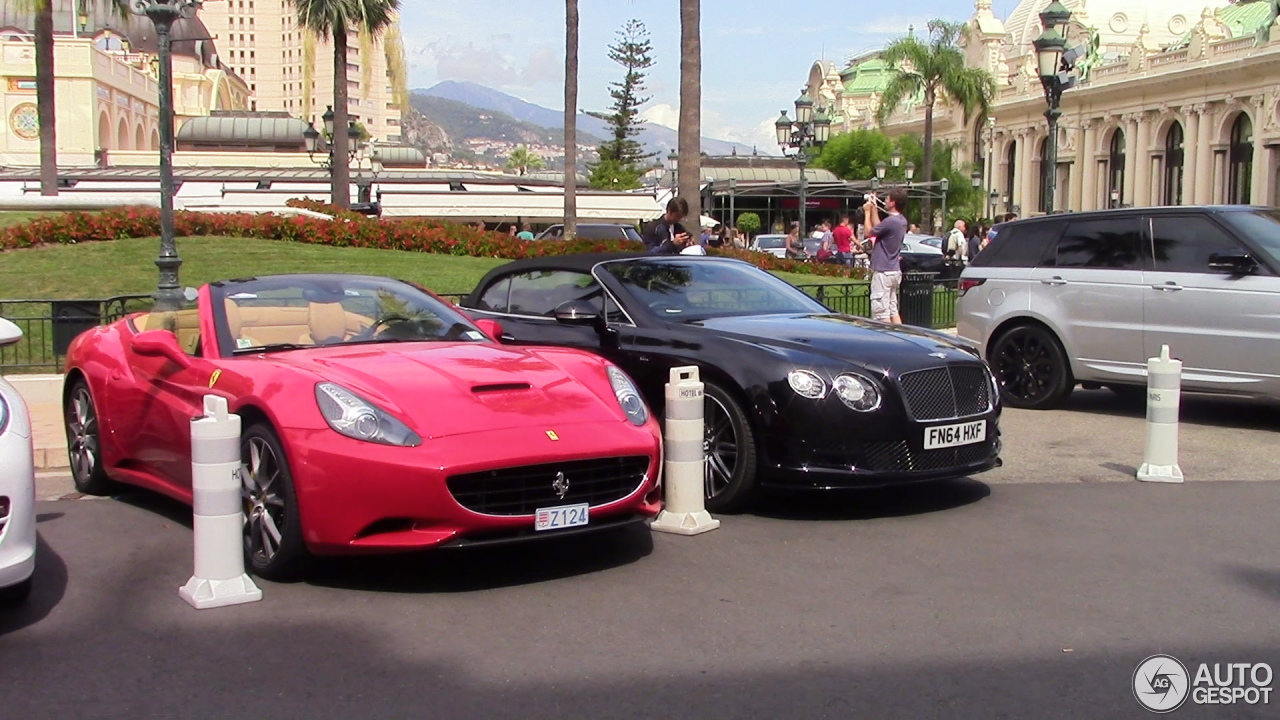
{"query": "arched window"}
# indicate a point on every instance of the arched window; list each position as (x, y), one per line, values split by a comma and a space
(1010, 175)
(1115, 170)
(1173, 162)
(1240, 178)
(1044, 163)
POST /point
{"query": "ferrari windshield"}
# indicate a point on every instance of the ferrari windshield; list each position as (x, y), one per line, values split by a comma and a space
(285, 312)
(705, 288)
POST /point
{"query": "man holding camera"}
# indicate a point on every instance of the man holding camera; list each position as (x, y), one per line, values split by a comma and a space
(886, 270)
(666, 236)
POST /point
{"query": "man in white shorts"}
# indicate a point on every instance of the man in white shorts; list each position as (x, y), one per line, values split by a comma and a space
(886, 270)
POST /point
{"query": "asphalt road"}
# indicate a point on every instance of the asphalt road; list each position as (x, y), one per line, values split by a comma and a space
(1030, 592)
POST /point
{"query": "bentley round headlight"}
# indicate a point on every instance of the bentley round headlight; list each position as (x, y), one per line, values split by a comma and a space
(807, 384)
(857, 392)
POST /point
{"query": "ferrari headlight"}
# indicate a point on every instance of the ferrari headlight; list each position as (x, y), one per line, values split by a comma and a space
(355, 417)
(859, 393)
(628, 397)
(807, 384)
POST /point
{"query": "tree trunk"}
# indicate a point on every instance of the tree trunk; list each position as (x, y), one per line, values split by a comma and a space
(570, 118)
(690, 134)
(927, 221)
(340, 187)
(45, 102)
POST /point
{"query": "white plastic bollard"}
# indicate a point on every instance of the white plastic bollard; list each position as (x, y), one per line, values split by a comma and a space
(1164, 383)
(218, 528)
(684, 458)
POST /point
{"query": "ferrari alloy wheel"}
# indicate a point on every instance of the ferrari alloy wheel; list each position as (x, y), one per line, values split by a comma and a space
(273, 544)
(729, 476)
(84, 448)
(1032, 368)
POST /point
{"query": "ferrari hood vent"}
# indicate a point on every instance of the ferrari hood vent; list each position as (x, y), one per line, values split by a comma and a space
(500, 387)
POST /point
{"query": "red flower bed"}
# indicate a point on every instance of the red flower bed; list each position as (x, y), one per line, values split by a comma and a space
(410, 234)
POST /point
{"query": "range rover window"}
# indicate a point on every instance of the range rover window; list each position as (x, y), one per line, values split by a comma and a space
(1261, 227)
(1184, 243)
(1106, 243)
(1020, 245)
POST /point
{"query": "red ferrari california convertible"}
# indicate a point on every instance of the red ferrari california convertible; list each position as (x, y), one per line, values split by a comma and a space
(376, 418)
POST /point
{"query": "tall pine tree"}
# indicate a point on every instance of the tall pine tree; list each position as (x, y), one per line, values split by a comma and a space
(621, 157)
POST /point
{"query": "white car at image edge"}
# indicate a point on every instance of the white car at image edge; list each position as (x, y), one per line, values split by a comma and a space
(17, 487)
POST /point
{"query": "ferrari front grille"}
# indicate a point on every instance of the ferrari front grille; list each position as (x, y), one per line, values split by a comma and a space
(523, 490)
(943, 393)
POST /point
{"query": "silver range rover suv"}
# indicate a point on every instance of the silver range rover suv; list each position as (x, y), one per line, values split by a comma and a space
(1085, 298)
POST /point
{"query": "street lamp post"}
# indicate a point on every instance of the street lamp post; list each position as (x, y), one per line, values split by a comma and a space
(810, 130)
(733, 186)
(1050, 47)
(673, 165)
(993, 197)
(312, 138)
(163, 13)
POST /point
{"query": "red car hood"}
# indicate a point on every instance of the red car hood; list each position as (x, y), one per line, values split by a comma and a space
(442, 389)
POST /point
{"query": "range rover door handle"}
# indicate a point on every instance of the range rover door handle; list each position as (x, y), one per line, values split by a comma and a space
(1055, 280)
(1167, 287)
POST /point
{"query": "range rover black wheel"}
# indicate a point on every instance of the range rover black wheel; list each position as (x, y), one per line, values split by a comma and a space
(1032, 368)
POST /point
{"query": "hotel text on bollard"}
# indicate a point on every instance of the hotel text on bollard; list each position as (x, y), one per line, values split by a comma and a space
(1160, 458)
(684, 458)
(218, 527)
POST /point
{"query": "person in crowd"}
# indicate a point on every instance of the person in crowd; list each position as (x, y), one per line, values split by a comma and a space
(886, 269)
(842, 236)
(861, 241)
(511, 230)
(666, 236)
(717, 237)
(956, 243)
(914, 229)
(975, 241)
(795, 248)
(526, 232)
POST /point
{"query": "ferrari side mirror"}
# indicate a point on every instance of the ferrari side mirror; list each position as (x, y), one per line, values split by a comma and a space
(493, 329)
(159, 343)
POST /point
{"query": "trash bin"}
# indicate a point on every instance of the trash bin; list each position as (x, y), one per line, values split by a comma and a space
(916, 299)
(72, 317)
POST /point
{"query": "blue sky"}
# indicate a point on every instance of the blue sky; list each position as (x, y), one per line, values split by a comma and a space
(755, 54)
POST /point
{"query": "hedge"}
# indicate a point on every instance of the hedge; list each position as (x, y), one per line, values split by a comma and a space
(344, 230)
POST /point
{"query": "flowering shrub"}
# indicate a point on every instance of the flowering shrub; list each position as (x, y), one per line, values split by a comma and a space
(409, 234)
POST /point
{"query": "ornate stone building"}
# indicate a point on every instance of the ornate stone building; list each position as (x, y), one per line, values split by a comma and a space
(1177, 103)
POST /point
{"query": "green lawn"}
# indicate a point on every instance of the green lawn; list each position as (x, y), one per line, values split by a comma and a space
(126, 267)
(16, 218)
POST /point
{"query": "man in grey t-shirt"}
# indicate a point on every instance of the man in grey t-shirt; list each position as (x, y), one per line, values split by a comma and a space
(886, 272)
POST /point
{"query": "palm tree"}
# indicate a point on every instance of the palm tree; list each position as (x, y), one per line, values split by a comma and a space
(333, 19)
(570, 118)
(934, 70)
(45, 104)
(522, 161)
(690, 133)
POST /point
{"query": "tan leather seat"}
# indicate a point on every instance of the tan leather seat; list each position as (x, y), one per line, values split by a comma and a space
(326, 324)
(184, 324)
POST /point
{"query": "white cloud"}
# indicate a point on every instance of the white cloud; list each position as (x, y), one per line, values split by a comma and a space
(485, 63)
(663, 114)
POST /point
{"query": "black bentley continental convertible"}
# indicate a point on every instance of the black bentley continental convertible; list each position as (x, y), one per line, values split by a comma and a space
(796, 395)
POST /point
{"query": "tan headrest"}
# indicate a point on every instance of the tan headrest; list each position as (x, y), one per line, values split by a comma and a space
(234, 321)
(327, 321)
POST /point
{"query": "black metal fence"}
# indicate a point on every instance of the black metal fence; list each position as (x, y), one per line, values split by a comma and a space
(49, 326)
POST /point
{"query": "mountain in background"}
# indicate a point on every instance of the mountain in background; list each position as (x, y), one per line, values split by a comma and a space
(654, 138)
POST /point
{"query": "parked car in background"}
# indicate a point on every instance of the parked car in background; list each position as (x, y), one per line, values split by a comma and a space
(1061, 300)
(775, 245)
(17, 487)
(376, 419)
(796, 395)
(920, 254)
(593, 231)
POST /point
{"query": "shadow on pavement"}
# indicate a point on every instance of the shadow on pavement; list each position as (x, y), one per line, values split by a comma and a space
(48, 588)
(155, 503)
(453, 570)
(1212, 410)
(873, 503)
(1262, 580)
